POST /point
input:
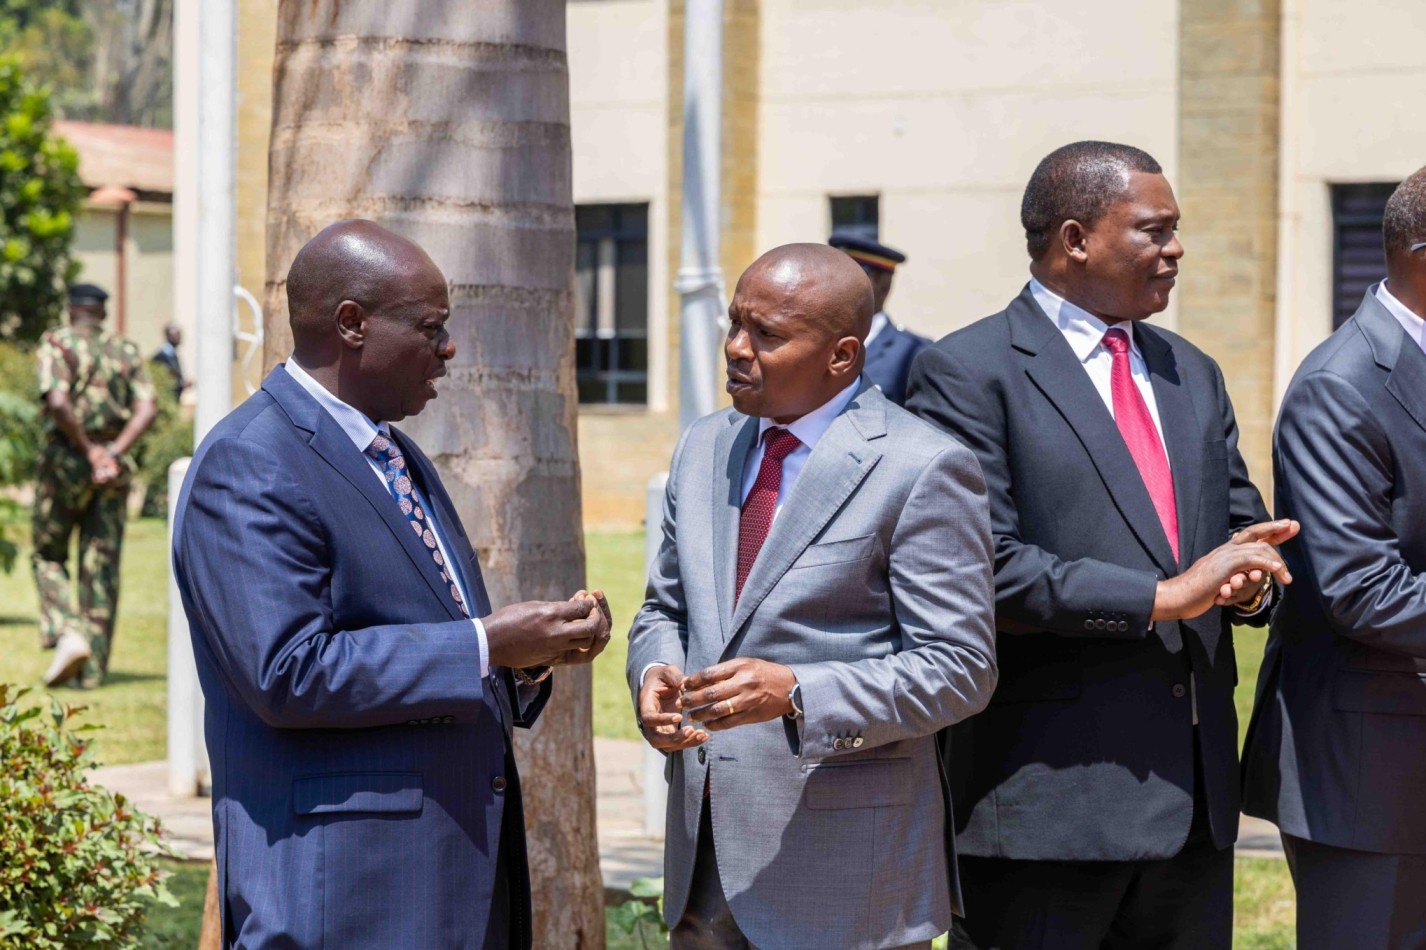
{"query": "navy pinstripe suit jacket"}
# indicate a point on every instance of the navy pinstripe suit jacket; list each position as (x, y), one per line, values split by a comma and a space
(359, 759)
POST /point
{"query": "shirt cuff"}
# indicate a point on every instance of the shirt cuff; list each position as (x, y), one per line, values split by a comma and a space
(484, 647)
(645, 674)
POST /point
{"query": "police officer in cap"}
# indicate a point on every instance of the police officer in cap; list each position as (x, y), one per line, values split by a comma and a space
(889, 348)
(98, 400)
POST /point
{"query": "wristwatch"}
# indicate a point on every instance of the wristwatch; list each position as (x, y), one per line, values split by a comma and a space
(794, 697)
(525, 677)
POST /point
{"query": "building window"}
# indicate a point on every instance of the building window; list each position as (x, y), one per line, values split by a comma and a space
(1358, 260)
(612, 304)
(857, 214)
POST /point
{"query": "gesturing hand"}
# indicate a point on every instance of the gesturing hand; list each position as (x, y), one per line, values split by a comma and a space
(660, 720)
(738, 692)
(545, 633)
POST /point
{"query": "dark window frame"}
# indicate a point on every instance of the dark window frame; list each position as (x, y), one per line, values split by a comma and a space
(856, 214)
(1357, 210)
(611, 356)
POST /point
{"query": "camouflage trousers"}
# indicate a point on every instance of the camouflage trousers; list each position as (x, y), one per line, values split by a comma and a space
(67, 501)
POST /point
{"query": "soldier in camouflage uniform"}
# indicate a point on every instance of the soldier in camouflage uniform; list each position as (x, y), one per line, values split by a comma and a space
(98, 400)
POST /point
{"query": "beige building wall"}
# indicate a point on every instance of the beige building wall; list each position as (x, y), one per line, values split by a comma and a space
(257, 39)
(944, 109)
(149, 252)
(1352, 78)
(618, 67)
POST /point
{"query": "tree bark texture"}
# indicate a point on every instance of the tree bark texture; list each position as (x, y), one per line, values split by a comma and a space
(448, 122)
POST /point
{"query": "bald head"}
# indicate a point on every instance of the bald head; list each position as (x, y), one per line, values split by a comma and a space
(368, 310)
(356, 260)
(831, 288)
(795, 331)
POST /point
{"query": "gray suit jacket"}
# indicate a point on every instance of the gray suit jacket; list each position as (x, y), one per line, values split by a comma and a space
(1336, 751)
(875, 586)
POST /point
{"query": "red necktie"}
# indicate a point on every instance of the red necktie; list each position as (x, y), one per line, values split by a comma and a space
(761, 502)
(1131, 414)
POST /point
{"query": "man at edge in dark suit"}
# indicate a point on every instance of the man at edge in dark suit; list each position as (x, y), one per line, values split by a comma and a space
(360, 692)
(1097, 796)
(1336, 751)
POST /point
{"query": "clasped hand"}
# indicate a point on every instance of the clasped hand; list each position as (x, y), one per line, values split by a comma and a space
(735, 693)
(1230, 574)
(549, 633)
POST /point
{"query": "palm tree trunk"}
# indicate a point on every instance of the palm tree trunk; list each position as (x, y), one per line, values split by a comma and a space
(448, 122)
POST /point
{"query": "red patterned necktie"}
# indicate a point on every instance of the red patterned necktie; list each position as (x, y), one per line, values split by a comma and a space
(398, 482)
(761, 502)
(1131, 414)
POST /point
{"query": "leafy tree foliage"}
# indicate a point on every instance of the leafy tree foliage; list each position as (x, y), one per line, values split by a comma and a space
(80, 868)
(40, 198)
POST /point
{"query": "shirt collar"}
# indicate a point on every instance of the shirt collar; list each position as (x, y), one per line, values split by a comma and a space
(879, 321)
(1082, 330)
(811, 427)
(1414, 326)
(354, 422)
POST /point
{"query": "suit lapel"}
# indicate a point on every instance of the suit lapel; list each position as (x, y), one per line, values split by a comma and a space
(1055, 370)
(734, 443)
(332, 444)
(838, 464)
(1395, 351)
(1181, 431)
(452, 532)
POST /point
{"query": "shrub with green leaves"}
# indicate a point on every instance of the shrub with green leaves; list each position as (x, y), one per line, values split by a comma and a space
(40, 199)
(79, 863)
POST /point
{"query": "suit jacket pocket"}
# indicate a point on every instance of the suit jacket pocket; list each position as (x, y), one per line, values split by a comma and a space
(368, 792)
(1401, 694)
(837, 552)
(868, 783)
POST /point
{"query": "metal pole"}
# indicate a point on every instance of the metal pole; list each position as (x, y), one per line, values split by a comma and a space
(700, 276)
(205, 84)
(216, 121)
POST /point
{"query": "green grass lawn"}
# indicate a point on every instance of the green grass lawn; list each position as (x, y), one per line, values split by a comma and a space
(131, 706)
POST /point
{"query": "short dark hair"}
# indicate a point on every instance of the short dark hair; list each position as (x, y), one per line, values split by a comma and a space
(1078, 181)
(1404, 222)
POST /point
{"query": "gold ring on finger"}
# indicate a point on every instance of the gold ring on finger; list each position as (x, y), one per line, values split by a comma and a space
(729, 704)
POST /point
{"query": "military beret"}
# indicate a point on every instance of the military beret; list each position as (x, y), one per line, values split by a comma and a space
(866, 251)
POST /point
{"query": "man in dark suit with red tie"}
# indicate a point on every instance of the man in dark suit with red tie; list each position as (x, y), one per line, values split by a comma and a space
(1096, 799)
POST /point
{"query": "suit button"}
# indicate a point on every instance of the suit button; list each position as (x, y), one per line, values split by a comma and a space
(702, 755)
(413, 722)
(857, 742)
(498, 783)
(1100, 624)
(1089, 625)
(1179, 691)
(1123, 626)
(837, 745)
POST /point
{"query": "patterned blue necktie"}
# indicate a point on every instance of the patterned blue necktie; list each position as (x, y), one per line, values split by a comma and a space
(398, 482)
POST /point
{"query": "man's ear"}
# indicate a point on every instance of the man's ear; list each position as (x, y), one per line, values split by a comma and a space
(351, 323)
(1073, 237)
(844, 355)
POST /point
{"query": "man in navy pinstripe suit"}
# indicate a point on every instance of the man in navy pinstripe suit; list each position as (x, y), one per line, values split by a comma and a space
(360, 692)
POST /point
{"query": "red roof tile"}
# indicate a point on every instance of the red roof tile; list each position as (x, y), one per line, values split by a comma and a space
(127, 155)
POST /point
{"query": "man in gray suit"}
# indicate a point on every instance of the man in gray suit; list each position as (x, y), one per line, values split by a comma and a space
(1336, 751)
(826, 571)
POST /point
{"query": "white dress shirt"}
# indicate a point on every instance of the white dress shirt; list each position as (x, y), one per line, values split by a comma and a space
(879, 321)
(1085, 334)
(362, 431)
(1414, 326)
(809, 429)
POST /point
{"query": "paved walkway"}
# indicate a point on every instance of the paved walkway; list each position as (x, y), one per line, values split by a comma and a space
(625, 852)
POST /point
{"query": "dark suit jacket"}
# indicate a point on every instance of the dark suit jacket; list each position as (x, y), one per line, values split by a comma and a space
(888, 360)
(170, 360)
(1086, 751)
(1336, 751)
(359, 759)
